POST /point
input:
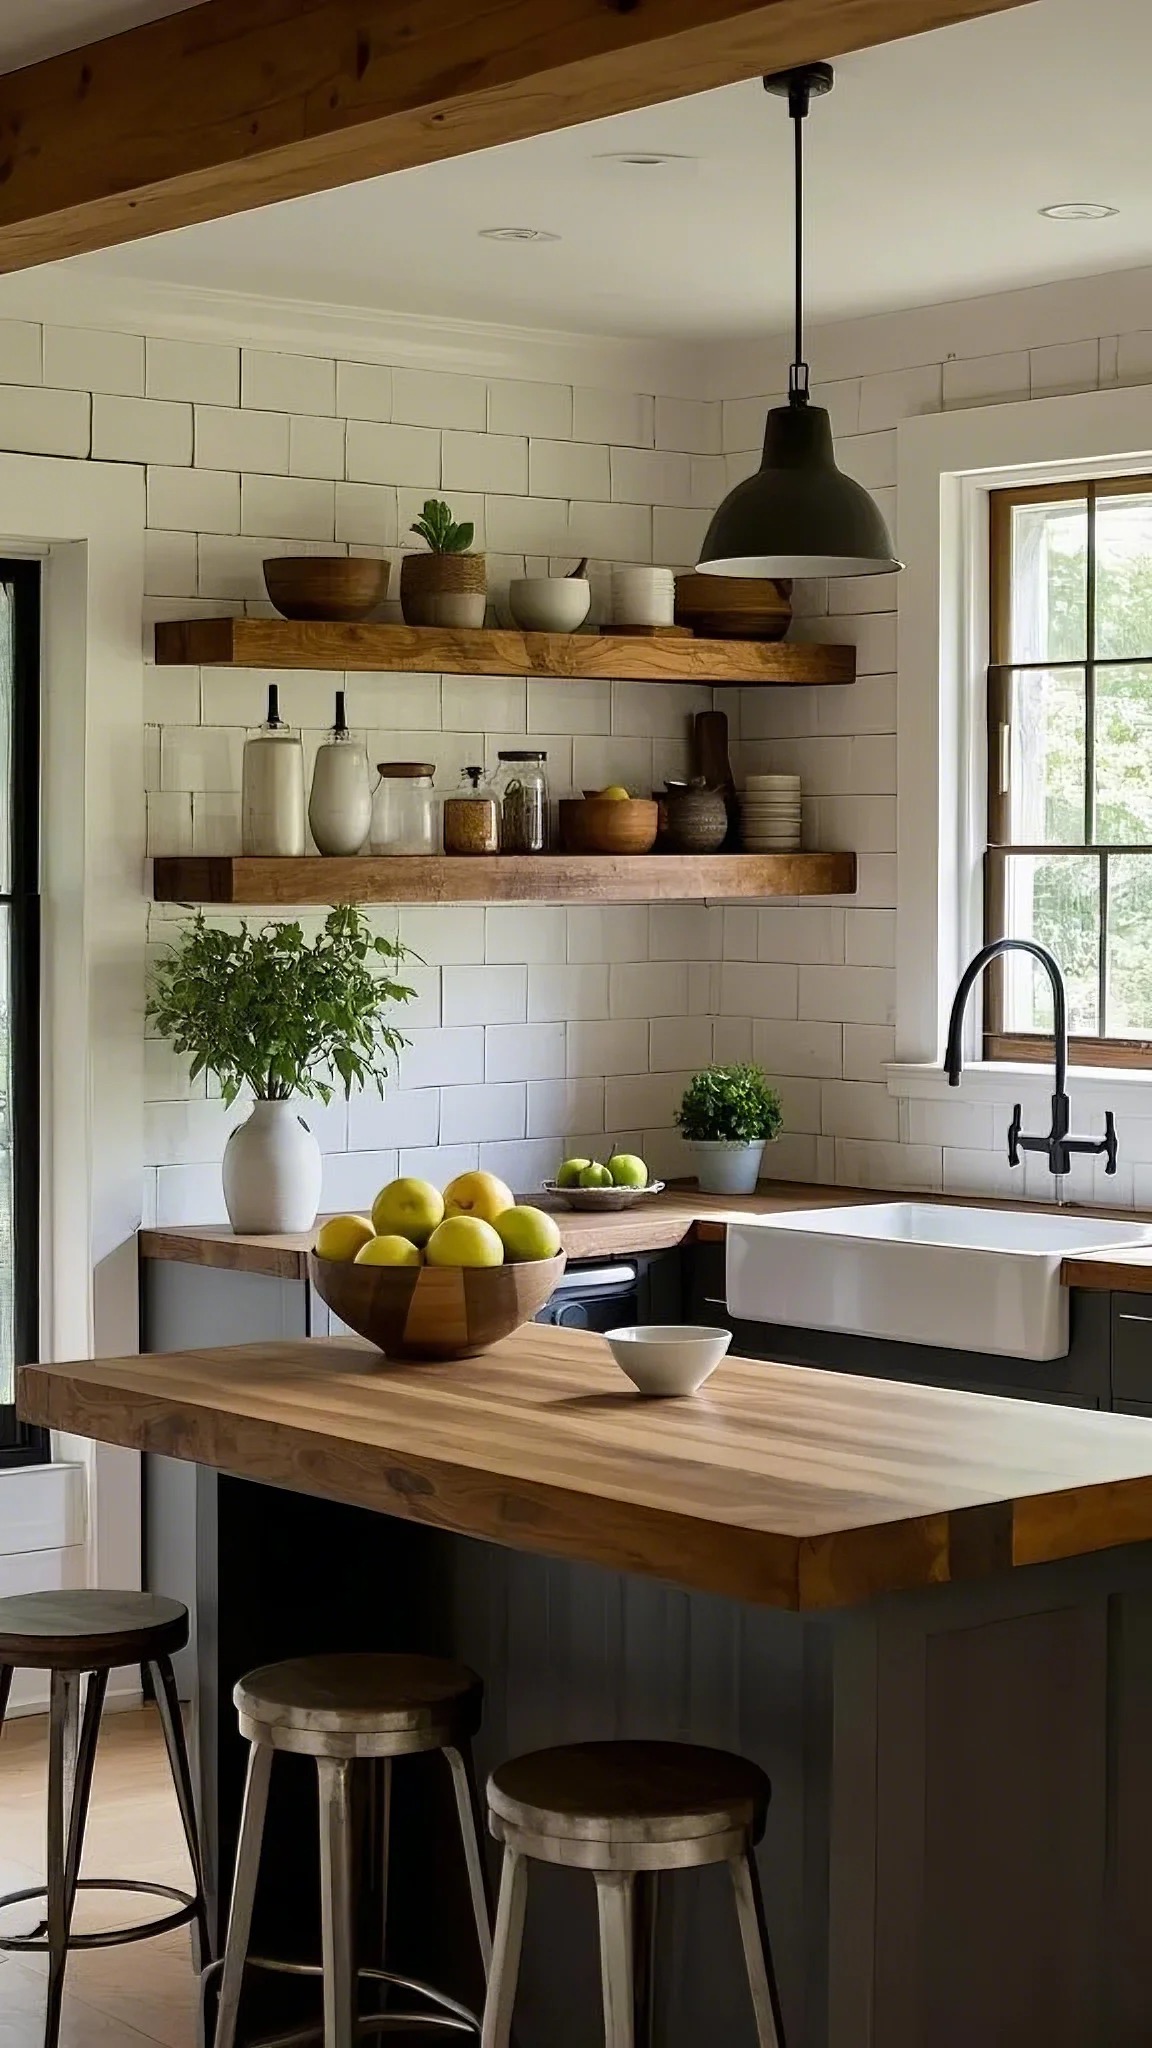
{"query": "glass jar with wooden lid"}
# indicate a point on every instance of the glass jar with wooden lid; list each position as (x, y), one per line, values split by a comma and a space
(471, 816)
(404, 808)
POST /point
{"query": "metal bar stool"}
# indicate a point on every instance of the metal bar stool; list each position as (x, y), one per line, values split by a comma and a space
(347, 1711)
(78, 1635)
(627, 1811)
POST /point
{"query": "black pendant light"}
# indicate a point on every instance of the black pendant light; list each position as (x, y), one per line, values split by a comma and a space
(799, 515)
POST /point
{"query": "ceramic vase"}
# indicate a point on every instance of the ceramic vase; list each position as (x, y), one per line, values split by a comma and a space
(272, 1171)
(726, 1166)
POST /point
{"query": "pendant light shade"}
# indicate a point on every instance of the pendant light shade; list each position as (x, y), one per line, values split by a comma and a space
(799, 515)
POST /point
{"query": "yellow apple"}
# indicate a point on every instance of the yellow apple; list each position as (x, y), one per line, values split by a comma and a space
(527, 1234)
(595, 1176)
(342, 1236)
(569, 1174)
(389, 1250)
(628, 1170)
(464, 1241)
(615, 793)
(408, 1208)
(477, 1194)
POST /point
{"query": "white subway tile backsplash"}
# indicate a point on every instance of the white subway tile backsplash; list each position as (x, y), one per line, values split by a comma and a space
(433, 398)
(568, 469)
(870, 938)
(230, 437)
(443, 1059)
(484, 703)
(677, 537)
(598, 1048)
(170, 564)
(859, 1109)
(986, 380)
(967, 1126)
(89, 359)
(692, 424)
(294, 508)
(528, 933)
(1064, 367)
(21, 352)
(615, 533)
(556, 1108)
(623, 418)
(477, 1115)
(648, 988)
(439, 1163)
(169, 821)
(485, 462)
(447, 935)
(680, 1044)
(194, 500)
(598, 762)
(523, 1163)
(558, 993)
(35, 421)
(868, 1049)
(382, 454)
(401, 1117)
(286, 383)
(207, 373)
(761, 990)
(685, 931)
(803, 933)
(864, 1163)
(619, 932)
(363, 391)
(524, 1052)
(643, 476)
(568, 707)
(898, 395)
(315, 446)
(536, 525)
(645, 1099)
(520, 407)
(486, 995)
(366, 514)
(847, 995)
(788, 1046)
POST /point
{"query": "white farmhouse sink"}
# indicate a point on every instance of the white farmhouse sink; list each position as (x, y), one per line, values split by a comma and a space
(918, 1273)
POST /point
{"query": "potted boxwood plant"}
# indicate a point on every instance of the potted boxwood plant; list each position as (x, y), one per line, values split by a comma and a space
(728, 1115)
(448, 585)
(270, 1012)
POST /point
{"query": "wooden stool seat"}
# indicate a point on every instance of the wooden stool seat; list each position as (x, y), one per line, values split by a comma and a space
(360, 1705)
(88, 1630)
(629, 1813)
(629, 1792)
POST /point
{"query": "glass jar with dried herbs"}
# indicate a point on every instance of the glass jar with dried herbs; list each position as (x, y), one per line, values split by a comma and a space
(522, 791)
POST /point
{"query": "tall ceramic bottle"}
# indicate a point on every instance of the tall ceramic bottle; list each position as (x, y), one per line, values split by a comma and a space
(272, 801)
(340, 806)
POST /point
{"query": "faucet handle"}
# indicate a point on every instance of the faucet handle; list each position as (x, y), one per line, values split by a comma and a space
(1014, 1137)
(1109, 1147)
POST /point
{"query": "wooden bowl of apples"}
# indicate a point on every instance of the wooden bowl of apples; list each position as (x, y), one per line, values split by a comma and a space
(608, 822)
(435, 1311)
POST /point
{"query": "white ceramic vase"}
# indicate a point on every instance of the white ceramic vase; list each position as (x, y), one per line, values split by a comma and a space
(726, 1166)
(272, 1170)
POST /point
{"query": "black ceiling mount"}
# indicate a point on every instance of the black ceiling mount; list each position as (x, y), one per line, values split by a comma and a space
(810, 81)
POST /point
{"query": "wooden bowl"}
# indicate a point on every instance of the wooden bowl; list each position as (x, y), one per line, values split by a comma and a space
(326, 586)
(733, 607)
(604, 824)
(434, 1311)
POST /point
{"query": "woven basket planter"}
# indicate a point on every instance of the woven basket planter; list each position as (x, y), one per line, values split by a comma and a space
(443, 590)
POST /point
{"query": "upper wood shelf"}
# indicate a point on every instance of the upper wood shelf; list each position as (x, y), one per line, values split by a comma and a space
(292, 643)
(513, 878)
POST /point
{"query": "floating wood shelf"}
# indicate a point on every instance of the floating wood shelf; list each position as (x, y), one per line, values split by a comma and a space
(522, 878)
(291, 643)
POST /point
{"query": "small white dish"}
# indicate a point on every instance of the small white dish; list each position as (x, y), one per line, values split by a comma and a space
(549, 604)
(664, 1360)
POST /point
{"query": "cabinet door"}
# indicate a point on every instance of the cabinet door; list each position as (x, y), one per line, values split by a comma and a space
(1131, 1348)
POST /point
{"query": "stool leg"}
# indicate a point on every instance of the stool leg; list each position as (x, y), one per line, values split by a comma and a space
(5, 1689)
(757, 1951)
(172, 1722)
(82, 1786)
(336, 1901)
(505, 1970)
(645, 1900)
(243, 1892)
(615, 1899)
(62, 1722)
(468, 1808)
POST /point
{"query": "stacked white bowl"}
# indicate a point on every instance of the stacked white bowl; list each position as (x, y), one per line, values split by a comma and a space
(770, 813)
(643, 596)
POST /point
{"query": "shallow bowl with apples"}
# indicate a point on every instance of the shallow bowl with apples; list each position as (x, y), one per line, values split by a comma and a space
(587, 1184)
(438, 1276)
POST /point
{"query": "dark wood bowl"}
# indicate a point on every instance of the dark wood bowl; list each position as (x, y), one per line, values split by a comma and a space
(341, 587)
(434, 1311)
(604, 824)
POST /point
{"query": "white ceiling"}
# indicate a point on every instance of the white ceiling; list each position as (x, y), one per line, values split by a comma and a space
(31, 29)
(927, 168)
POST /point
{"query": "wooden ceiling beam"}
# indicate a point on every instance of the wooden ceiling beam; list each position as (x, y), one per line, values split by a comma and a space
(238, 103)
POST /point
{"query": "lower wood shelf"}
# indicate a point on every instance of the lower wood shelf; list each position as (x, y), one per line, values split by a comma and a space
(527, 878)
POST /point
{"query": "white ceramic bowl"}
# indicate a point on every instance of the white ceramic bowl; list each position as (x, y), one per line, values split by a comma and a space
(549, 604)
(666, 1359)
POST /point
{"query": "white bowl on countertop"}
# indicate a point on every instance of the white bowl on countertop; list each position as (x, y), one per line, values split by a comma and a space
(664, 1360)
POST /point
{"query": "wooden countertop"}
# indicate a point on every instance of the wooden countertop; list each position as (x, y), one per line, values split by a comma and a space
(671, 1219)
(776, 1485)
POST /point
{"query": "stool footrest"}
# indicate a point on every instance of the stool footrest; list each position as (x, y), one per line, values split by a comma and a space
(112, 1937)
(451, 2017)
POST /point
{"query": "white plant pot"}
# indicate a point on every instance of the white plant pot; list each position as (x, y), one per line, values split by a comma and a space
(272, 1170)
(724, 1166)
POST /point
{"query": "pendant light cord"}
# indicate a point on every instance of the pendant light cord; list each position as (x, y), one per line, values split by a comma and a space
(798, 100)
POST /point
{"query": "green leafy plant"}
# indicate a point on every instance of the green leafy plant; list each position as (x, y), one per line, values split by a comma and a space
(735, 1104)
(437, 526)
(272, 1011)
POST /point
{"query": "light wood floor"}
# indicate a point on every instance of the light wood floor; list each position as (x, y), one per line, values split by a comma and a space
(119, 1997)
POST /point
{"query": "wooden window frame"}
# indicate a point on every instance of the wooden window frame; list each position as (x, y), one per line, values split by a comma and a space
(998, 1043)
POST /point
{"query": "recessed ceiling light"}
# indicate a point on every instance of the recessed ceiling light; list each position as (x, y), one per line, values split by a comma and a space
(517, 235)
(643, 159)
(1078, 209)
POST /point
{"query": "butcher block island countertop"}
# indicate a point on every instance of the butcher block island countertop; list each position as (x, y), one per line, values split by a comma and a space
(680, 1215)
(777, 1485)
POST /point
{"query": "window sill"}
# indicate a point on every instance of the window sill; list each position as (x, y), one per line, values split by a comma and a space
(1014, 1081)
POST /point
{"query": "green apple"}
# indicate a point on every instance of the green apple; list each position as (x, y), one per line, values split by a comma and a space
(527, 1234)
(628, 1170)
(595, 1176)
(569, 1174)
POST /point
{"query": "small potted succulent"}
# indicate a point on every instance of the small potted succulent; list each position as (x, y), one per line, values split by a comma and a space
(728, 1115)
(275, 1016)
(448, 586)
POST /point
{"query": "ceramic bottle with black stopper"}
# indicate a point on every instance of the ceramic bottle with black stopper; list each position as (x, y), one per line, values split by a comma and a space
(340, 806)
(272, 787)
